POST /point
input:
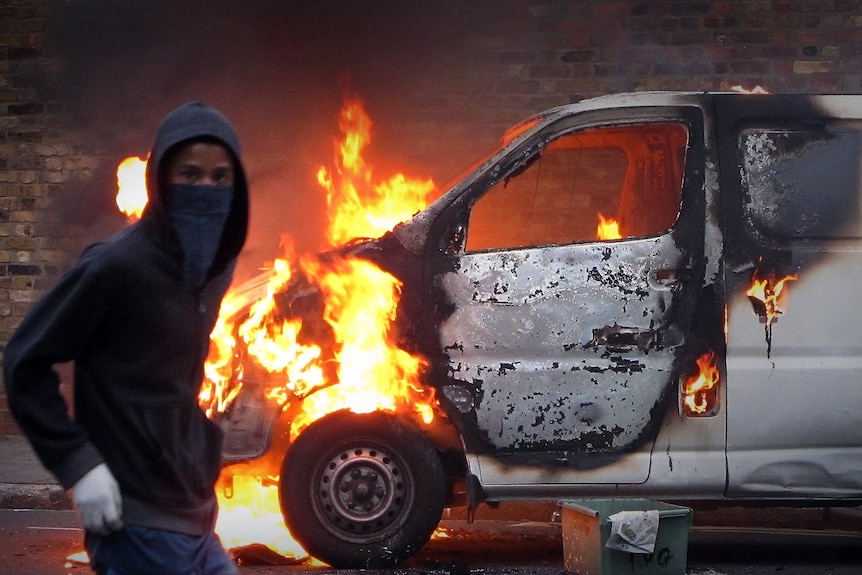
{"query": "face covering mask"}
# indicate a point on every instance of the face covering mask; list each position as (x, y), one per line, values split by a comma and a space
(198, 214)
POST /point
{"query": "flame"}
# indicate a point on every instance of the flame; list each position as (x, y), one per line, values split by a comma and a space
(132, 187)
(273, 343)
(215, 394)
(608, 228)
(249, 514)
(359, 208)
(767, 295)
(700, 391)
(359, 300)
(373, 374)
(756, 90)
(77, 558)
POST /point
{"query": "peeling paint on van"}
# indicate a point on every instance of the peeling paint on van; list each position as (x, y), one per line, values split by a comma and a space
(563, 345)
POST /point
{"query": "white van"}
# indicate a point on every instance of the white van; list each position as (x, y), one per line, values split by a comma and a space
(704, 344)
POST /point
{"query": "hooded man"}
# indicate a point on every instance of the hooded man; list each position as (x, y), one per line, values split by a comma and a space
(134, 313)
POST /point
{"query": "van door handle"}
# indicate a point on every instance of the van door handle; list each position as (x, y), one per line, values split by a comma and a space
(666, 278)
(620, 338)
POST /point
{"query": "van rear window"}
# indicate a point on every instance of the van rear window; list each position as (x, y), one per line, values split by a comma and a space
(803, 184)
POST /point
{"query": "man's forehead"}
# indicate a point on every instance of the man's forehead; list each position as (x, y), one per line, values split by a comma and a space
(195, 152)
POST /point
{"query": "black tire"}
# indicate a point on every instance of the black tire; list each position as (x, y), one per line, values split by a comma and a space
(362, 491)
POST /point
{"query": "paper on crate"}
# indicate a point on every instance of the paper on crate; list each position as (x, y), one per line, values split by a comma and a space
(633, 531)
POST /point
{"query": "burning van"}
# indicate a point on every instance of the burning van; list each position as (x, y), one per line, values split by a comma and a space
(648, 295)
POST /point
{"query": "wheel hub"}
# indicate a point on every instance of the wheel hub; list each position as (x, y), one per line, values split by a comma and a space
(361, 492)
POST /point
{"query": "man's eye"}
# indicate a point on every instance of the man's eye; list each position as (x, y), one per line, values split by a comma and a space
(223, 178)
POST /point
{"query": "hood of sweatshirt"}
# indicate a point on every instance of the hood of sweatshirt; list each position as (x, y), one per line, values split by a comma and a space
(191, 121)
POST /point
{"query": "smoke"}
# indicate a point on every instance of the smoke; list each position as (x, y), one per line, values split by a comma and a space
(277, 68)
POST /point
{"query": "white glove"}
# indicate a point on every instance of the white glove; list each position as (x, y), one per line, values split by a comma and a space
(97, 498)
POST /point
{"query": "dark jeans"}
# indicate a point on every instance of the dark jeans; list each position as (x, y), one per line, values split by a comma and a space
(144, 551)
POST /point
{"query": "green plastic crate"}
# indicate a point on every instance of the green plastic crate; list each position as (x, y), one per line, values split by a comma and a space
(586, 529)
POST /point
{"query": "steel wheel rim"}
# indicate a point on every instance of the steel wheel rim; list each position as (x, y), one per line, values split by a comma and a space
(361, 493)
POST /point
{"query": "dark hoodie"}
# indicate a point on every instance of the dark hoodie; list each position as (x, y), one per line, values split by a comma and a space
(138, 336)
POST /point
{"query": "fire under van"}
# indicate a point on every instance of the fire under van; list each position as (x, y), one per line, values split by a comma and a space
(647, 295)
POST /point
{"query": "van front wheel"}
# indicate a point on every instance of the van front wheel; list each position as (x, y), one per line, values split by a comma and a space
(361, 490)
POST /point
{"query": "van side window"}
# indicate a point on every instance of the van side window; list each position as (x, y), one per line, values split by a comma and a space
(596, 184)
(803, 184)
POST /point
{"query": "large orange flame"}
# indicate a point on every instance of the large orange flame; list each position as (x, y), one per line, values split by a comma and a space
(360, 302)
(373, 374)
(249, 514)
(358, 207)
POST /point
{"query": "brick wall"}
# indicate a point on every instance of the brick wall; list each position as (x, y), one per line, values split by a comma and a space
(38, 156)
(529, 55)
(465, 72)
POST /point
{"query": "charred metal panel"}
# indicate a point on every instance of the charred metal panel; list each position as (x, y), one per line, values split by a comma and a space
(788, 195)
(568, 348)
(793, 208)
(248, 426)
(794, 400)
(686, 461)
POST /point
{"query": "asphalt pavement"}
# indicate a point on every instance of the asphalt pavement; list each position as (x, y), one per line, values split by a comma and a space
(24, 482)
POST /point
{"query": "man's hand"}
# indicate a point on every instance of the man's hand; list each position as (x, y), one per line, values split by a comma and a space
(97, 498)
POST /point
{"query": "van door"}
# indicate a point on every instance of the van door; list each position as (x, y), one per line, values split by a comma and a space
(793, 192)
(577, 267)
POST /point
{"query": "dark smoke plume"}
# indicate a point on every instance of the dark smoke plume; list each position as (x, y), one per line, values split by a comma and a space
(278, 69)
